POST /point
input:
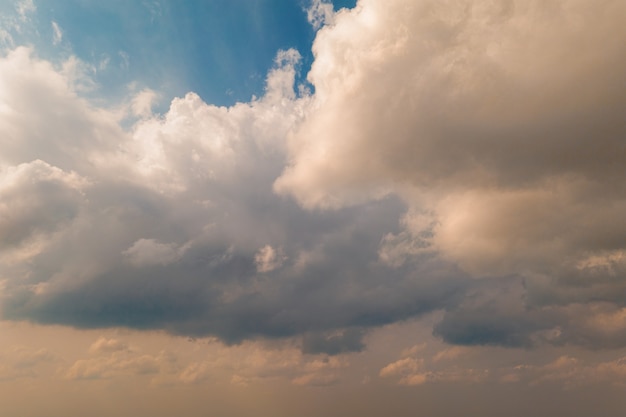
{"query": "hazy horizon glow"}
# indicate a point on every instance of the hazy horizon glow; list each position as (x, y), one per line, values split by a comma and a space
(312, 208)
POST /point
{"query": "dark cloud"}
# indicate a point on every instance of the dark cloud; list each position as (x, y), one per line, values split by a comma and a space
(187, 235)
(507, 147)
(214, 289)
(454, 157)
(493, 312)
(349, 340)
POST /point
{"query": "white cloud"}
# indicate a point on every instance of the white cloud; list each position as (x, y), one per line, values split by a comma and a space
(104, 345)
(57, 33)
(24, 8)
(15, 22)
(320, 13)
(43, 118)
(268, 259)
(6, 39)
(141, 104)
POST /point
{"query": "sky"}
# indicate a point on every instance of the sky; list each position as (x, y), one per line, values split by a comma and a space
(304, 208)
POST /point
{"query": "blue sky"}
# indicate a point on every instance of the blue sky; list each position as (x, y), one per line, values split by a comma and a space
(200, 216)
(220, 49)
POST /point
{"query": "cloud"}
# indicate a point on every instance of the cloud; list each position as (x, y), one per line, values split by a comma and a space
(24, 7)
(173, 224)
(498, 312)
(268, 259)
(114, 358)
(349, 340)
(572, 372)
(504, 142)
(401, 366)
(433, 77)
(251, 362)
(542, 368)
(15, 22)
(449, 353)
(57, 33)
(24, 362)
(142, 103)
(118, 365)
(43, 118)
(454, 156)
(319, 13)
(150, 252)
(316, 380)
(36, 198)
(103, 345)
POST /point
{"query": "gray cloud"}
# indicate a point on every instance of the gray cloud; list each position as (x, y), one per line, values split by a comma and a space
(168, 226)
(36, 198)
(500, 124)
(216, 289)
(349, 340)
(454, 156)
(494, 313)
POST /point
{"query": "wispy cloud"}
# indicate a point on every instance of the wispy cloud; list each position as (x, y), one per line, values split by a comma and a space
(319, 13)
(57, 33)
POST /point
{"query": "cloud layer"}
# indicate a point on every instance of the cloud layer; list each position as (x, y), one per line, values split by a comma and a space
(174, 225)
(457, 156)
(500, 124)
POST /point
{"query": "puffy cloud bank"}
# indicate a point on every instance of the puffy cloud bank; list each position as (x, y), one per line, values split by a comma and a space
(465, 156)
(501, 124)
(174, 225)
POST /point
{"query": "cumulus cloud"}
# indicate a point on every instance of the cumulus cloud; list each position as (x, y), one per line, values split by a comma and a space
(173, 223)
(43, 118)
(36, 198)
(484, 120)
(454, 156)
(445, 94)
